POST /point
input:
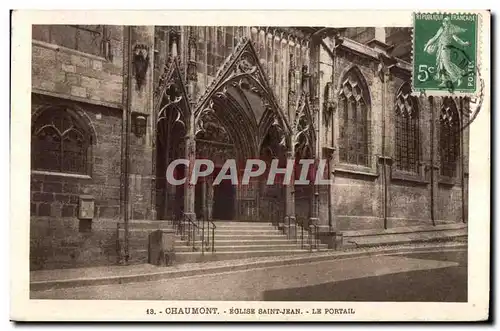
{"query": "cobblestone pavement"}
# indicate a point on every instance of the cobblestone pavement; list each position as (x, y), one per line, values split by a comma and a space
(436, 276)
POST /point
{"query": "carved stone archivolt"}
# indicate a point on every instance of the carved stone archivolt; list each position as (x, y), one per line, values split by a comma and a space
(210, 128)
(242, 72)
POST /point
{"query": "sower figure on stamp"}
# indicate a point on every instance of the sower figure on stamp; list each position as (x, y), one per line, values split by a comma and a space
(440, 44)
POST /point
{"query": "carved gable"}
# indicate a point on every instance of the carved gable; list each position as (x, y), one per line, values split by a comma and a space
(243, 72)
(171, 89)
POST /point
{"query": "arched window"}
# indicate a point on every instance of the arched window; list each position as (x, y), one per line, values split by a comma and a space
(354, 103)
(59, 142)
(407, 130)
(449, 138)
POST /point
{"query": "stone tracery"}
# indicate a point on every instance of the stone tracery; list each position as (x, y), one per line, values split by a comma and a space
(243, 72)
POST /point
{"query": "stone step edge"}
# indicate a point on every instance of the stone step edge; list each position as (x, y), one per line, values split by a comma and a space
(208, 250)
(294, 250)
(404, 240)
(403, 230)
(183, 242)
(290, 260)
(246, 246)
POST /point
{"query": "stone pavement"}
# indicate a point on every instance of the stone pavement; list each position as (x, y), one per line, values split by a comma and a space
(64, 278)
(435, 275)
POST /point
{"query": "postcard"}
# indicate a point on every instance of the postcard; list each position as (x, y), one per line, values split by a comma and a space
(206, 166)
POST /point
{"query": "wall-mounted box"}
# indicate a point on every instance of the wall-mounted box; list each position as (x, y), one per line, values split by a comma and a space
(86, 208)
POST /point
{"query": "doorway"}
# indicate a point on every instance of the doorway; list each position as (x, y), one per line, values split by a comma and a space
(224, 201)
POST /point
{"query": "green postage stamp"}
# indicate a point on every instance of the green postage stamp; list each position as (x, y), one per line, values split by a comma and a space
(445, 53)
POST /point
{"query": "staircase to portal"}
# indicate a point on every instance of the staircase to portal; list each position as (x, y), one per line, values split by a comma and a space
(229, 240)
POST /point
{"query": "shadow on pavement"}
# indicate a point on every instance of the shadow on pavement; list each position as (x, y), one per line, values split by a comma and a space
(458, 257)
(433, 285)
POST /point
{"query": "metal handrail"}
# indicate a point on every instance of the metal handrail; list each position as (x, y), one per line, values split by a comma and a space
(213, 235)
(179, 226)
(192, 227)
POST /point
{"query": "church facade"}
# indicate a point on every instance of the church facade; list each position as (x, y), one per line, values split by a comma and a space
(112, 106)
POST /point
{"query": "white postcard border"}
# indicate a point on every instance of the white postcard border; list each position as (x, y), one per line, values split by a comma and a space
(22, 308)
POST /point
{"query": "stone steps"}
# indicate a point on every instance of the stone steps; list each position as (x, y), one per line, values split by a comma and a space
(265, 242)
(237, 240)
(233, 240)
(249, 247)
(191, 257)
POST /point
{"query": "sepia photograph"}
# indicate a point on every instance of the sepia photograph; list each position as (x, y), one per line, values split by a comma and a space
(250, 163)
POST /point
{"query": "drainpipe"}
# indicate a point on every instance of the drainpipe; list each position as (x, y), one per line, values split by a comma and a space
(433, 179)
(462, 154)
(330, 156)
(127, 120)
(384, 160)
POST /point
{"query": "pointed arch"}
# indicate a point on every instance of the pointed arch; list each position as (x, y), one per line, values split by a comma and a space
(61, 140)
(171, 90)
(354, 118)
(171, 114)
(352, 71)
(407, 130)
(171, 103)
(242, 71)
(79, 114)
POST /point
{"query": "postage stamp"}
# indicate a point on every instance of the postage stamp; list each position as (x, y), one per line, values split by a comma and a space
(205, 166)
(445, 53)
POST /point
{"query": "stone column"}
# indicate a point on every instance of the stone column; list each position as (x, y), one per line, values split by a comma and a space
(385, 164)
(208, 198)
(140, 97)
(289, 225)
(315, 203)
(189, 189)
(190, 150)
(384, 159)
(332, 220)
(190, 147)
(425, 149)
(465, 111)
(138, 135)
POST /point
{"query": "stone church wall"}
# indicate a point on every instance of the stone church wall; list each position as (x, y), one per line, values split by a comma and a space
(55, 226)
(93, 84)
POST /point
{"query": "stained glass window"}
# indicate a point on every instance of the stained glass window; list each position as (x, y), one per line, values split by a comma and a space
(407, 130)
(449, 138)
(59, 143)
(353, 119)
